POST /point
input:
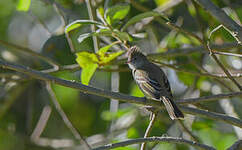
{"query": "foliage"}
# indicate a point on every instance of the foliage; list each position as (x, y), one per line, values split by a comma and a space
(45, 35)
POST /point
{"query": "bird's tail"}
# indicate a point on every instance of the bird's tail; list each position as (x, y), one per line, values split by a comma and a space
(173, 111)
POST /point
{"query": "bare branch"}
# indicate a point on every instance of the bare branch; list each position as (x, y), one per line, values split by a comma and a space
(209, 98)
(213, 115)
(65, 118)
(148, 130)
(155, 139)
(206, 46)
(41, 124)
(222, 17)
(193, 137)
(114, 95)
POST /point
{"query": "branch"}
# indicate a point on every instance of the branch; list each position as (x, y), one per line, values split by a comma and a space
(113, 95)
(209, 98)
(213, 115)
(155, 139)
(185, 129)
(206, 46)
(196, 73)
(169, 53)
(222, 17)
(148, 130)
(65, 118)
(41, 124)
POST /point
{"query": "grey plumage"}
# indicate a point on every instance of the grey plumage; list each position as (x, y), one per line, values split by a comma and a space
(152, 81)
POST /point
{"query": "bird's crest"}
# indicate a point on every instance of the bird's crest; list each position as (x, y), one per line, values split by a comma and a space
(134, 50)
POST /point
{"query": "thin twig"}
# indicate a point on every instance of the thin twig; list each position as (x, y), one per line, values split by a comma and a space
(227, 54)
(213, 115)
(41, 124)
(193, 137)
(155, 139)
(148, 130)
(192, 72)
(209, 50)
(209, 98)
(226, 72)
(115, 95)
(65, 118)
(221, 16)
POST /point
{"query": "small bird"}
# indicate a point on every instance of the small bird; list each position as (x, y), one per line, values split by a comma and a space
(152, 81)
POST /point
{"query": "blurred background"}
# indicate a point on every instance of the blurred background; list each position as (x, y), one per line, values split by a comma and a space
(29, 119)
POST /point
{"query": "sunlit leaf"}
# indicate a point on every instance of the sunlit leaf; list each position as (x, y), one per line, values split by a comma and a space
(87, 73)
(79, 23)
(117, 12)
(161, 2)
(89, 63)
(142, 16)
(23, 5)
(109, 57)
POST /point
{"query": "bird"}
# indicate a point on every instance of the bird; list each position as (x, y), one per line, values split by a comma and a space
(152, 81)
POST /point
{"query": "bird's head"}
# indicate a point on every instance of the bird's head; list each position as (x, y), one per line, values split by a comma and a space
(136, 59)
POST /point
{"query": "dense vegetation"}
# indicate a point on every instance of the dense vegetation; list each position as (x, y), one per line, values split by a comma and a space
(65, 84)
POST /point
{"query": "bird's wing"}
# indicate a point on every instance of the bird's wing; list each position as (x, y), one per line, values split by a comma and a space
(150, 86)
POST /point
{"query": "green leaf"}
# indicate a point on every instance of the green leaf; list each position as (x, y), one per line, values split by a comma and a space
(104, 59)
(87, 73)
(104, 49)
(89, 63)
(142, 16)
(78, 23)
(116, 13)
(23, 5)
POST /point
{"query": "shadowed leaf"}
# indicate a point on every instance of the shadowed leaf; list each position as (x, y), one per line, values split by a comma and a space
(142, 16)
